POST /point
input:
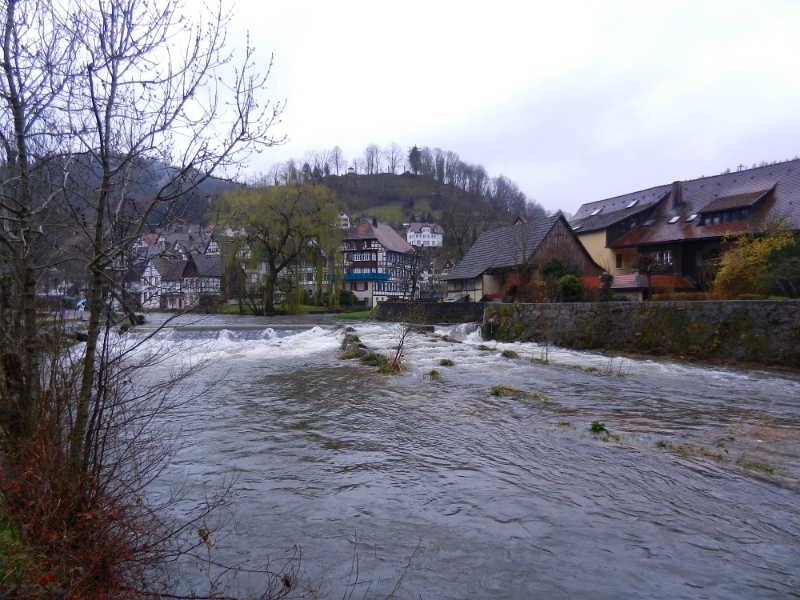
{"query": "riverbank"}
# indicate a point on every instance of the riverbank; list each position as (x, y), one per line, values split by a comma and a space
(760, 332)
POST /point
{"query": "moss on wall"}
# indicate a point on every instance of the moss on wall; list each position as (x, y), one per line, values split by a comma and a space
(762, 332)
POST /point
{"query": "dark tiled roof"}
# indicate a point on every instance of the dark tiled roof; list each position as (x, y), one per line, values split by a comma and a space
(174, 270)
(721, 191)
(634, 281)
(160, 264)
(502, 248)
(616, 209)
(134, 273)
(386, 236)
(208, 266)
(737, 201)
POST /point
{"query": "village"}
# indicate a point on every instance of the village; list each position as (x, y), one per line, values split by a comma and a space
(681, 227)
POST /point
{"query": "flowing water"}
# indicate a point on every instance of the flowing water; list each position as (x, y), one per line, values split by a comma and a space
(694, 494)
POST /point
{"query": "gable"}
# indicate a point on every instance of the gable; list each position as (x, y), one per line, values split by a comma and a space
(504, 247)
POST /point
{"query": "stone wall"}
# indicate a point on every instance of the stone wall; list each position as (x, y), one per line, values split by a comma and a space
(766, 332)
(431, 312)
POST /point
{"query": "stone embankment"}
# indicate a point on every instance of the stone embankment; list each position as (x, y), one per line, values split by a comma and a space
(765, 332)
(431, 312)
(754, 331)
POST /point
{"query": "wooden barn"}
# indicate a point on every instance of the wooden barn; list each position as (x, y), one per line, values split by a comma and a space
(503, 265)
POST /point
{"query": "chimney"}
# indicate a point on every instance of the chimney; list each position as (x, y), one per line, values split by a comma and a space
(677, 194)
(375, 221)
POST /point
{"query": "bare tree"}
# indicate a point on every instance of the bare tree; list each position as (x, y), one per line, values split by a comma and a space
(337, 161)
(394, 157)
(104, 129)
(372, 159)
(648, 264)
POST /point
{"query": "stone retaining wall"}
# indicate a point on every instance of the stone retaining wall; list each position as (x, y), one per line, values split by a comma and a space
(766, 332)
(431, 312)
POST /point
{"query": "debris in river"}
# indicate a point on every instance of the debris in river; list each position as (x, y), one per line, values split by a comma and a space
(446, 362)
(509, 392)
(597, 427)
(510, 354)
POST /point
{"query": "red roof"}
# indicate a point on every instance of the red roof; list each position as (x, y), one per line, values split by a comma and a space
(375, 230)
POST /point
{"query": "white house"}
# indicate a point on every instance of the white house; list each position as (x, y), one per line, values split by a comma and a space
(424, 234)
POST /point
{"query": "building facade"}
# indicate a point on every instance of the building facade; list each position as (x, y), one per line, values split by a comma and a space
(684, 223)
(424, 234)
(376, 263)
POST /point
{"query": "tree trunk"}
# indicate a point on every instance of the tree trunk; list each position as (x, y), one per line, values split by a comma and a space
(269, 292)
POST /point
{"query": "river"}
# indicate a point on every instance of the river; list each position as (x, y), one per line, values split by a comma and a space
(692, 493)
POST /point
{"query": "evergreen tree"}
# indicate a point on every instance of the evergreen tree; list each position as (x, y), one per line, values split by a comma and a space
(415, 160)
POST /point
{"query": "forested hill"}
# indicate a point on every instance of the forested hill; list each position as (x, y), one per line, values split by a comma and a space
(464, 214)
(422, 183)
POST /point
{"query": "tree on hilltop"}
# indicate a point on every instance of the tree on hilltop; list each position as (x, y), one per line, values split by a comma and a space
(415, 160)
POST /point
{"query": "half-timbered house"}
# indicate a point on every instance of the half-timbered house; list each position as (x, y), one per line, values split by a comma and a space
(377, 263)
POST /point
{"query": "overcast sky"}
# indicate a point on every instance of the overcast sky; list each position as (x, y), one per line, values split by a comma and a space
(575, 101)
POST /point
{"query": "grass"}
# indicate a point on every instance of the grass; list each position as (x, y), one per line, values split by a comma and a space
(374, 360)
(357, 353)
(434, 374)
(598, 427)
(385, 365)
(485, 348)
(504, 391)
(446, 362)
(395, 212)
(755, 465)
(510, 354)
(280, 309)
(540, 361)
(689, 451)
(353, 316)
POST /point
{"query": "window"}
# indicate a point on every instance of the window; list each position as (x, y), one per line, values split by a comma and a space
(632, 204)
(619, 261)
(576, 228)
(665, 257)
(596, 211)
(648, 222)
(675, 219)
(691, 218)
(362, 256)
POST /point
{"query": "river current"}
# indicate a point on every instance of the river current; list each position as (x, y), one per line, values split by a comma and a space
(692, 492)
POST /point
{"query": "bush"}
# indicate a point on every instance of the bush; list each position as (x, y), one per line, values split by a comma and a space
(606, 294)
(347, 298)
(570, 289)
(555, 269)
(745, 265)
